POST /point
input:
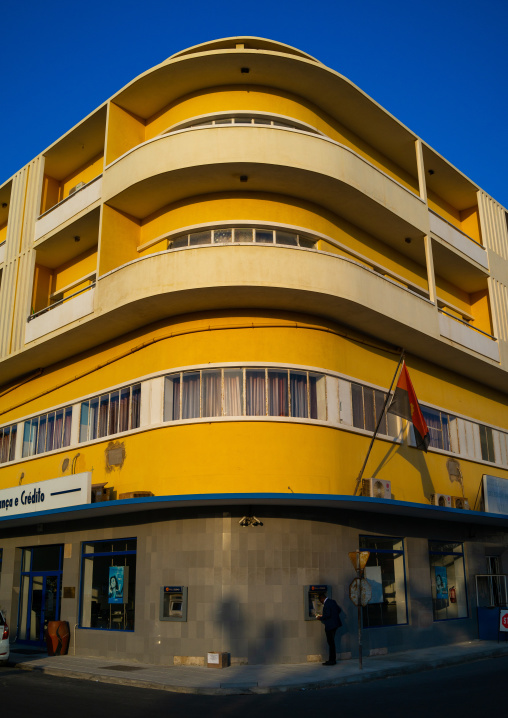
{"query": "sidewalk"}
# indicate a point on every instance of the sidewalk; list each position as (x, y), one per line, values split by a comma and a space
(256, 678)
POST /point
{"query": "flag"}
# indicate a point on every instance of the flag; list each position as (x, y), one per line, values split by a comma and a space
(405, 404)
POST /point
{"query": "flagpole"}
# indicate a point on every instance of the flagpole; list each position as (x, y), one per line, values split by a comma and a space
(360, 475)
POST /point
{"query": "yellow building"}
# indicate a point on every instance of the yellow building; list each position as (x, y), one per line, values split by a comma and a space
(206, 288)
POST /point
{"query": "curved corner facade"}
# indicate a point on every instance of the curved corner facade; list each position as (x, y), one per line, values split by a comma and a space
(204, 304)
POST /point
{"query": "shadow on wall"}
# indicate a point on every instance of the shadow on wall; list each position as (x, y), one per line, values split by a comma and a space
(263, 640)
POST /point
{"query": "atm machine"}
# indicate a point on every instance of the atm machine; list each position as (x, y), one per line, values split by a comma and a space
(311, 602)
(173, 603)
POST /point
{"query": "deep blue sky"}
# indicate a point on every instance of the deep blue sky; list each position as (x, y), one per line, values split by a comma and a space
(439, 66)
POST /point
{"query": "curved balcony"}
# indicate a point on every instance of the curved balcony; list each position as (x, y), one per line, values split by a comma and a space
(263, 159)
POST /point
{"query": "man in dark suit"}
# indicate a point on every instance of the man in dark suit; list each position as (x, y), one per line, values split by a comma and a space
(331, 621)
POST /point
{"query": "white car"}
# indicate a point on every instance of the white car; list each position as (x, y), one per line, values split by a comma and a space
(4, 638)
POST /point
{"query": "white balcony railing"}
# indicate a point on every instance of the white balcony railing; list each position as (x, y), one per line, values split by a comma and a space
(68, 207)
(59, 314)
(458, 240)
(467, 336)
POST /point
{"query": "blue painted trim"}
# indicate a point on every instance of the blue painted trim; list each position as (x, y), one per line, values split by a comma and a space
(288, 499)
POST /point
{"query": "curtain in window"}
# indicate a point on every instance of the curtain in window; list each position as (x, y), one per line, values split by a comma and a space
(278, 393)
(41, 431)
(67, 427)
(255, 392)
(357, 404)
(125, 397)
(114, 407)
(94, 418)
(190, 395)
(298, 386)
(135, 406)
(211, 388)
(103, 414)
(7, 443)
(233, 392)
(58, 431)
(438, 429)
(30, 437)
(172, 398)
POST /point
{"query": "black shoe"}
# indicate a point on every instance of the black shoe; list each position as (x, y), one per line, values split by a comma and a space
(329, 663)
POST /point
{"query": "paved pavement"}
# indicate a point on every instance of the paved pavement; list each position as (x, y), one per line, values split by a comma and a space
(256, 678)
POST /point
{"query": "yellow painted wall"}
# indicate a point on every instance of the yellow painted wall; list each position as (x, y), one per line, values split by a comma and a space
(77, 267)
(50, 193)
(3, 232)
(480, 309)
(470, 223)
(448, 292)
(251, 456)
(41, 288)
(124, 132)
(86, 173)
(265, 99)
(119, 239)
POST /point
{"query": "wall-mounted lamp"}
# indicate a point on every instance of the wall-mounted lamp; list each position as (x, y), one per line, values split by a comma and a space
(245, 70)
(77, 237)
(250, 521)
(4, 205)
(408, 240)
(431, 172)
(243, 178)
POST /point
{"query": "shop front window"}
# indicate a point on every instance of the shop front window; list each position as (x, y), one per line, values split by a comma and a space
(108, 580)
(386, 573)
(447, 580)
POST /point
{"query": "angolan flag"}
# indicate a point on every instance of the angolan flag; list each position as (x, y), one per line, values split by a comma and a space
(405, 404)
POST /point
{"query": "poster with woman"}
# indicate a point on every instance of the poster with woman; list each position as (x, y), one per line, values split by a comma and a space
(441, 582)
(116, 584)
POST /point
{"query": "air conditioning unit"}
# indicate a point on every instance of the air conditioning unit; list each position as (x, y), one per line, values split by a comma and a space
(377, 488)
(76, 187)
(459, 502)
(441, 500)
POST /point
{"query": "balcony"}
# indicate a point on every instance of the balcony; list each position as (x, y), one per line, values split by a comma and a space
(2, 252)
(458, 240)
(60, 313)
(68, 208)
(462, 333)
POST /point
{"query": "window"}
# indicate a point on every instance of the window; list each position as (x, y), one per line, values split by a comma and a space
(108, 581)
(367, 407)
(110, 413)
(447, 580)
(227, 235)
(245, 392)
(47, 432)
(438, 424)
(386, 573)
(8, 443)
(487, 443)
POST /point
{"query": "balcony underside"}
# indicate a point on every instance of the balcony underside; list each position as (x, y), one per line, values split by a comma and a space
(222, 278)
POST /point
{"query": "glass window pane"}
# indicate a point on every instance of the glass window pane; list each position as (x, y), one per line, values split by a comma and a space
(368, 405)
(222, 236)
(172, 398)
(114, 407)
(67, 427)
(41, 435)
(448, 581)
(264, 235)
(83, 421)
(58, 431)
(243, 234)
(108, 587)
(278, 396)
(200, 238)
(255, 392)
(30, 437)
(190, 395)
(243, 120)
(357, 403)
(233, 392)
(286, 238)
(379, 400)
(125, 400)
(50, 431)
(317, 392)
(180, 242)
(135, 406)
(94, 418)
(487, 443)
(211, 388)
(385, 572)
(298, 388)
(103, 415)
(307, 243)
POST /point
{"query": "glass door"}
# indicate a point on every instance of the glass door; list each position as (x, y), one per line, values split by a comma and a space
(40, 593)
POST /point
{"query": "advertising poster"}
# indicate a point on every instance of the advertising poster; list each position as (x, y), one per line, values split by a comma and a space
(373, 576)
(441, 582)
(116, 584)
